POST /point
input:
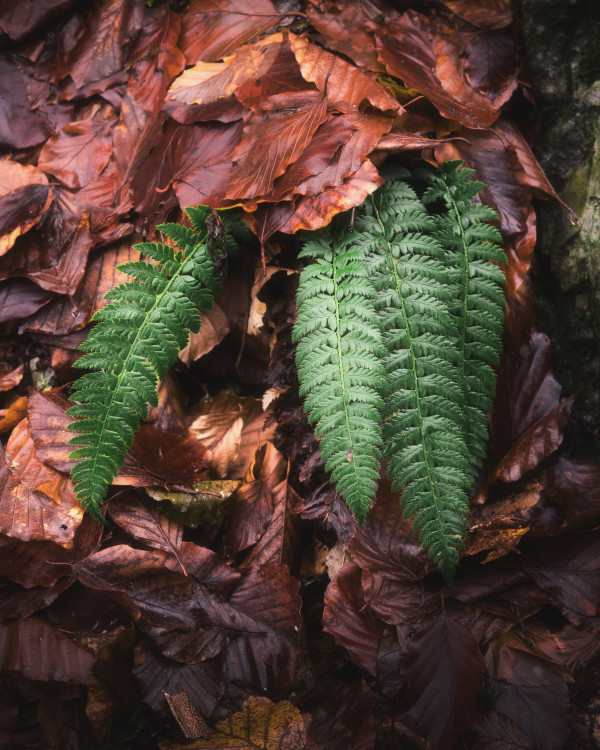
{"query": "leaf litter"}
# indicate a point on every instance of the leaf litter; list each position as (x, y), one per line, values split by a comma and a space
(203, 615)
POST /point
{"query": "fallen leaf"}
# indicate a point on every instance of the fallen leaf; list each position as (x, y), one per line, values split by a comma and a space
(427, 57)
(444, 670)
(253, 503)
(155, 58)
(486, 14)
(347, 619)
(79, 153)
(25, 196)
(19, 126)
(158, 600)
(273, 138)
(36, 502)
(40, 652)
(18, 21)
(260, 724)
(206, 91)
(347, 88)
(10, 417)
(213, 29)
(147, 526)
(232, 427)
(158, 675)
(20, 298)
(345, 28)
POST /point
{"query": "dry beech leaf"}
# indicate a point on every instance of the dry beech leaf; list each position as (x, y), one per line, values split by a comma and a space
(347, 88)
(232, 427)
(205, 90)
(273, 138)
(485, 14)
(25, 196)
(427, 57)
(444, 670)
(20, 298)
(10, 417)
(36, 501)
(79, 153)
(253, 503)
(10, 378)
(213, 29)
(41, 652)
(260, 725)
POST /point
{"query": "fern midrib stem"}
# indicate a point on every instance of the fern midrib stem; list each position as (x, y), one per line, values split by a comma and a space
(338, 338)
(462, 323)
(138, 336)
(413, 360)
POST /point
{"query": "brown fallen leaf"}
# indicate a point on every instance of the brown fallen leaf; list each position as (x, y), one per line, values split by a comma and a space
(213, 29)
(347, 88)
(36, 501)
(41, 652)
(485, 14)
(260, 724)
(25, 196)
(11, 417)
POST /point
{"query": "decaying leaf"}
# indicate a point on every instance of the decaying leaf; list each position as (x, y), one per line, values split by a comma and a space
(260, 724)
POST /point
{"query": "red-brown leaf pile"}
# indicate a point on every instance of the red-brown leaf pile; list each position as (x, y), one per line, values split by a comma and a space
(232, 601)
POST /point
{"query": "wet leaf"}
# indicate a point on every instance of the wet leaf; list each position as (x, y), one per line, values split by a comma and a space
(350, 623)
(427, 57)
(36, 502)
(273, 138)
(20, 298)
(41, 652)
(148, 526)
(444, 670)
(14, 414)
(213, 29)
(79, 153)
(158, 675)
(347, 88)
(253, 503)
(25, 196)
(260, 724)
(155, 58)
(486, 14)
(19, 126)
(19, 20)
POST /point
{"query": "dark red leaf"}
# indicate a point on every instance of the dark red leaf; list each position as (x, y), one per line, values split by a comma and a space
(158, 676)
(346, 618)
(428, 57)
(212, 29)
(20, 298)
(148, 526)
(25, 196)
(444, 670)
(486, 14)
(253, 503)
(575, 486)
(19, 126)
(40, 652)
(17, 20)
(568, 570)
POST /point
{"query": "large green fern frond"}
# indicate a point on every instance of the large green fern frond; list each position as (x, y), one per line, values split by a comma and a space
(339, 368)
(478, 305)
(423, 411)
(136, 339)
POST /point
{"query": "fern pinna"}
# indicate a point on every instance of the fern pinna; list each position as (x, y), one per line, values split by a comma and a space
(136, 339)
(479, 301)
(339, 368)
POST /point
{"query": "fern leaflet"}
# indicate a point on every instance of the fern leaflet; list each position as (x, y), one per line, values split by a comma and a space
(423, 414)
(339, 368)
(136, 339)
(478, 305)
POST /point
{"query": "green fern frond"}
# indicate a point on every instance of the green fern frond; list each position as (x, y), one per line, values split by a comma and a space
(339, 369)
(137, 337)
(423, 412)
(478, 306)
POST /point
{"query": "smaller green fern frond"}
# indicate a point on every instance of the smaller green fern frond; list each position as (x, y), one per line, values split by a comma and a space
(338, 357)
(478, 305)
(423, 412)
(137, 337)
